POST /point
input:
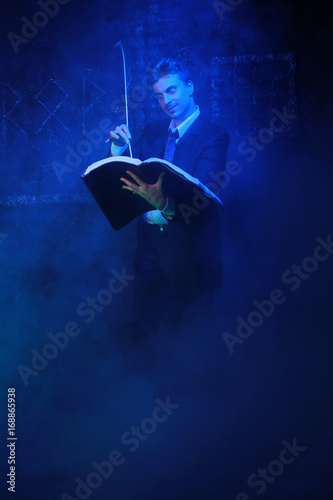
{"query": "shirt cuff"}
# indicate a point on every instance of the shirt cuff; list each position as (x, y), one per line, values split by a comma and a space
(169, 210)
(118, 150)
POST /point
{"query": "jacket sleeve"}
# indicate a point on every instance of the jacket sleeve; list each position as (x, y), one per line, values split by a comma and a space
(210, 164)
(208, 168)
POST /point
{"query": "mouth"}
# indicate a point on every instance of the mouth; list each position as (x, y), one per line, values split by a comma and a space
(170, 109)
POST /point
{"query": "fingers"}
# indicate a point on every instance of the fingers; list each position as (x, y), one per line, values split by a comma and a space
(141, 187)
(134, 188)
(129, 185)
(130, 189)
(113, 135)
(135, 177)
(150, 192)
(122, 134)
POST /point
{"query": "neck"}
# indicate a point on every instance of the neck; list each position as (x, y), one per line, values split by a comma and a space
(189, 112)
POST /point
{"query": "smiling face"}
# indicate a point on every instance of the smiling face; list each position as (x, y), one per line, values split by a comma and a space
(175, 97)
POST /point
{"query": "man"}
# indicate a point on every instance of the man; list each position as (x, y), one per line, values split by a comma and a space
(178, 261)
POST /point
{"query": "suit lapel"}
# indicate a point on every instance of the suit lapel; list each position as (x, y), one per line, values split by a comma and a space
(194, 130)
(191, 134)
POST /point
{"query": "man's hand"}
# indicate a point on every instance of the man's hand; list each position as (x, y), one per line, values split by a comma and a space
(151, 192)
(120, 135)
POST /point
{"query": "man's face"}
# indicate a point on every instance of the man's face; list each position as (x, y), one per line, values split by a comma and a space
(174, 97)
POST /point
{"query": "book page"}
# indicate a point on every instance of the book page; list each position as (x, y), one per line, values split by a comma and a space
(125, 159)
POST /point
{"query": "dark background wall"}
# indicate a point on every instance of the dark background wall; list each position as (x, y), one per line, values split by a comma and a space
(240, 399)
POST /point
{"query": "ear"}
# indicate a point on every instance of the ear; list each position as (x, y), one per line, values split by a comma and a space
(190, 86)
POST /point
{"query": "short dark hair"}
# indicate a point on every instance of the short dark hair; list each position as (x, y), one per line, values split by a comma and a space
(169, 66)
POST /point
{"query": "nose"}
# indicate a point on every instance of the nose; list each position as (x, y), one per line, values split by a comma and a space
(167, 99)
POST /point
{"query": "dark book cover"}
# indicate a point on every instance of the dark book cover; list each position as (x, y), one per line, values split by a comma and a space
(121, 206)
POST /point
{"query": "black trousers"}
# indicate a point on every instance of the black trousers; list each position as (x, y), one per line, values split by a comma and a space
(164, 292)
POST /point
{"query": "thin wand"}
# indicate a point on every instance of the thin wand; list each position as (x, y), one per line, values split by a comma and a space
(125, 83)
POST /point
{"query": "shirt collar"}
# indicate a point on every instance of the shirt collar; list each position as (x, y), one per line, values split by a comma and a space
(182, 128)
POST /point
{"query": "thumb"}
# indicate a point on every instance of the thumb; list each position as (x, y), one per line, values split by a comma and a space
(160, 178)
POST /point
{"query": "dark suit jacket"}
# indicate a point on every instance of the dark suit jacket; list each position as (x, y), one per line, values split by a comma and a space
(195, 232)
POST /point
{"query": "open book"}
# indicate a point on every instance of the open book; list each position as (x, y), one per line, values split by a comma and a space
(119, 205)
